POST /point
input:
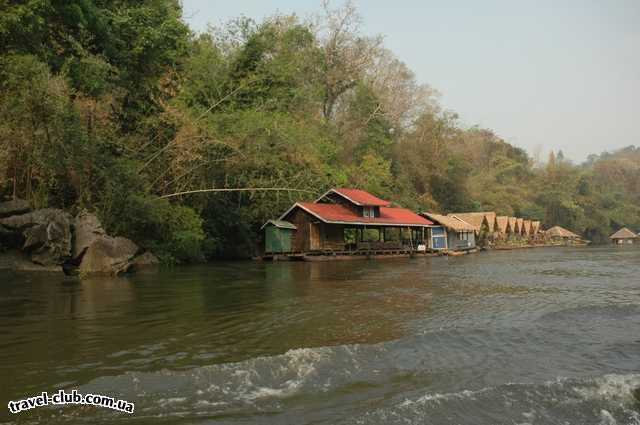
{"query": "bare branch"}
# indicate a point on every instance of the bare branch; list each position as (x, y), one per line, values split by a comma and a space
(241, 189)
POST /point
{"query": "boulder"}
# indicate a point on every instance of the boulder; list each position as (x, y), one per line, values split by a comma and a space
(108, 255)
(145, 260)
(14, 207)
(87, 229)
(46, 234)
(43, 216)
(18, 261)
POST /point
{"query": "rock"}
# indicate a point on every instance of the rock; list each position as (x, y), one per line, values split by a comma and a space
(19, 261)
(108, 255)
(43, 216)
(87, 230)
(145, 261)
(14, 207)
(47, 235)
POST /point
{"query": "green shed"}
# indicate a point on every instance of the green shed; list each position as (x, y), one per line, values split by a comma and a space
(277, 236)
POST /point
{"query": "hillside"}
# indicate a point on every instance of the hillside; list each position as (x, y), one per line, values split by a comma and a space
(108, 106)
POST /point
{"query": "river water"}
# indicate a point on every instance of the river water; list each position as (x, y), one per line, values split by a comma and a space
(534, 336)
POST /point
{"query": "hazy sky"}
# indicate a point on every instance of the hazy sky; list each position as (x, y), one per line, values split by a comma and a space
(541, 74)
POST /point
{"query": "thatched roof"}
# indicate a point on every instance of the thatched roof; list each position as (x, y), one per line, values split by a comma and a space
(476, 218)
(535, 227)
(503, 223)
(451, 223)
(520, 222)
(623, 233)
(513, 223)
(527, 227)
(557, 231)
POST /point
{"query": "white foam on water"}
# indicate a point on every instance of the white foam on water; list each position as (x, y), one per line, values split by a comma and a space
(606, 418)
(611, 387)
(164, 402)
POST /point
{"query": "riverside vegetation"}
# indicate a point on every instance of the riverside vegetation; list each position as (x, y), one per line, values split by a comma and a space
(110, 105)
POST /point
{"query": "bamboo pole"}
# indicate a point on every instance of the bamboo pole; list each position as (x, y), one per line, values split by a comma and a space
(240, 189)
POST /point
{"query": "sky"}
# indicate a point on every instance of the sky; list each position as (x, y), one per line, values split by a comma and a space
(544, 75)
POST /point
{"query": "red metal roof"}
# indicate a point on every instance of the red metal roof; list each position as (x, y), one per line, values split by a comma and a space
(335, 213)
(362, 198)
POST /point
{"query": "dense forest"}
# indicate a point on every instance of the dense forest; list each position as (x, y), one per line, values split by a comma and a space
(117, 107)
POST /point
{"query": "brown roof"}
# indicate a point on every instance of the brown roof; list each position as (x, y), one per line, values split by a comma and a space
(561, 232)
(535, 227)
(512, 223)
(520, 225)
(452, 223)
(623, 233)
(502, 222)
(476, 218)
(527, 226)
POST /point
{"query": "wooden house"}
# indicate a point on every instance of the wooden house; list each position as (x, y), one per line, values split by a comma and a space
(624, 236)
(457, 234)
(354, 220)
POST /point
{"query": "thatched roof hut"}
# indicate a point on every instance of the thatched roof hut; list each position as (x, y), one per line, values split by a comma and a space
(478, 219)
(535, 227)
(503, 224)
(520, 223)
(624, 235)
(561, 232)
(513, 224)
(526, 231)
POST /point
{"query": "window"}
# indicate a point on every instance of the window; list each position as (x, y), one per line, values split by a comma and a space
(368, 212)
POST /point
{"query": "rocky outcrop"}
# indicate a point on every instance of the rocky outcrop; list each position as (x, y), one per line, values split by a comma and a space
(19, 261)
(13, 207)
(107, 255)
(46, 234)
(88, 229)
(50, 240)
(145, 261)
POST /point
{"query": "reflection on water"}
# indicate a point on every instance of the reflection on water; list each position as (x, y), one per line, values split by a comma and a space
(353, 342)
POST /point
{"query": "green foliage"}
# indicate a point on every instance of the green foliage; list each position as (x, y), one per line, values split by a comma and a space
(108, 105)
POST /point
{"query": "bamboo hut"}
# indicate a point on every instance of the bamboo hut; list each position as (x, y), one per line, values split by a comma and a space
(520, 223)
(503, 227)
(513, 226)
(560, 234)
(535, 227)
(526, 230)
(624, 236)
(481, 221)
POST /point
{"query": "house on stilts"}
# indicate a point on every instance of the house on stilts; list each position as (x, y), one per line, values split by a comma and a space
(451, 233)
(349, 222)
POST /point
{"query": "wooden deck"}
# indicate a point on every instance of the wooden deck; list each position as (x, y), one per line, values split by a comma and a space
(340, 255)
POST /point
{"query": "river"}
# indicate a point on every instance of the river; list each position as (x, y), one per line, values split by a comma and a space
(533, 336)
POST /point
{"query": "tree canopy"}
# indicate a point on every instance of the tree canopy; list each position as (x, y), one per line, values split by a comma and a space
(110, 105)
